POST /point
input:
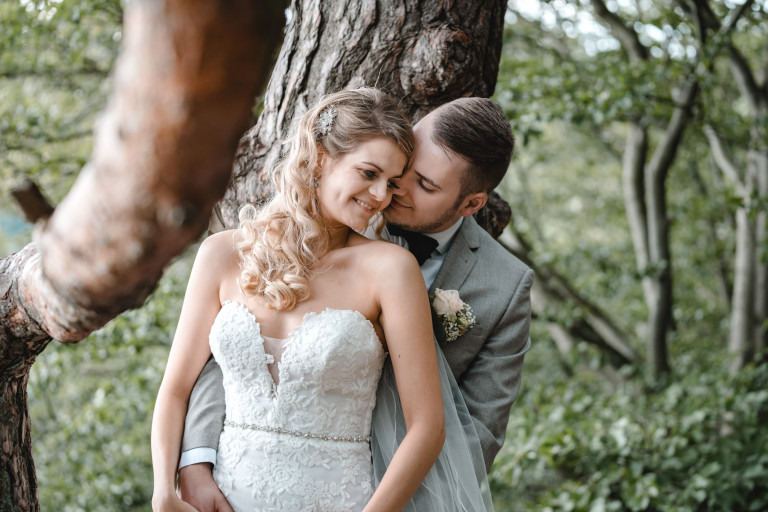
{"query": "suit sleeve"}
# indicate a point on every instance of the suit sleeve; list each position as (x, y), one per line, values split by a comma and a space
(205, 414)
(491, 383)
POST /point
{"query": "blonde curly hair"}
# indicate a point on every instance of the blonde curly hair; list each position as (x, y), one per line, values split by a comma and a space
(282, 243)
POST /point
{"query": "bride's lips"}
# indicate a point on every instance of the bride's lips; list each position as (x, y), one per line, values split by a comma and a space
(367, 206)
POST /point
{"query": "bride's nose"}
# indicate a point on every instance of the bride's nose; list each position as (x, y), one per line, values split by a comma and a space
(378, 190)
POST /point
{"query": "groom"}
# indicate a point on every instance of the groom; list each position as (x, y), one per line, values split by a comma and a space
(462, 152)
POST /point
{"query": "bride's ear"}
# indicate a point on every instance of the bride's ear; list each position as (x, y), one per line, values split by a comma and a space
(322, 159)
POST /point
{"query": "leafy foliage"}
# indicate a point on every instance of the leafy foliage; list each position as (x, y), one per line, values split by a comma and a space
(92, 404)
(54, 59)
(592, 442)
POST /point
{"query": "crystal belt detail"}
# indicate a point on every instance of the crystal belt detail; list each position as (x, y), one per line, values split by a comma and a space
(308, 435)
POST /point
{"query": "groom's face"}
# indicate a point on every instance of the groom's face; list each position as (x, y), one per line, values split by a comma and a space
(428, 197)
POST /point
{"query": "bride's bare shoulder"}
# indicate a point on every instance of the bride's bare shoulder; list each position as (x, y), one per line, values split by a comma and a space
(384, 254)
(220, 248)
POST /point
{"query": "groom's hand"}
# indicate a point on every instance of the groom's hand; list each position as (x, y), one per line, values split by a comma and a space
(198, 488)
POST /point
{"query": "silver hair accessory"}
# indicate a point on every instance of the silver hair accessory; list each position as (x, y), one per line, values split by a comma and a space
(325, 119)
(315, 184)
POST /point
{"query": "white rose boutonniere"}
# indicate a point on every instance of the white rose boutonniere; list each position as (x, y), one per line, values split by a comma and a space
(455, 315)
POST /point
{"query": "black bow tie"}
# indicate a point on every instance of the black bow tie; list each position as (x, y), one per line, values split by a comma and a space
(420, 245)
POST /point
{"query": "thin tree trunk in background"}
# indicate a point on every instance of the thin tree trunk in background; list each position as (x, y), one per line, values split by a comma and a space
(424, 53)
(161, 159)
(749, 309)
(741, 327)
(759, 159)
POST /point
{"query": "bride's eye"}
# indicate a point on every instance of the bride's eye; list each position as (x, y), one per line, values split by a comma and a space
(368, 173)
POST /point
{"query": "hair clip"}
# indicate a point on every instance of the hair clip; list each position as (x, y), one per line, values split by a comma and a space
(325, 119)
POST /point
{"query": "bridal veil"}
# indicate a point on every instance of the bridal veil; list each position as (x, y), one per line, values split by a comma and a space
(457, 481)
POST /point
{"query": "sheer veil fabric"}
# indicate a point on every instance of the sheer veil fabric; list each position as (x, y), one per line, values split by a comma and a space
(457, 481)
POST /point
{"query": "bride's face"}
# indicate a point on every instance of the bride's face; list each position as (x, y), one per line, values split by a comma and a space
(355, 186)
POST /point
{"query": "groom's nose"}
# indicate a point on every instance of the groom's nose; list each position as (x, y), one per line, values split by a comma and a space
(403, 185)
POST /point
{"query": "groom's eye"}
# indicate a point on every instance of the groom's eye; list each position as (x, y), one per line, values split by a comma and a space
(423, 184)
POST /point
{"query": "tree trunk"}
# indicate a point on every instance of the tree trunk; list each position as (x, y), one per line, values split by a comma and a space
(759, 159)
(747, 335)
(423, 53)
(161, 160)
(741, 328)
(749, 309)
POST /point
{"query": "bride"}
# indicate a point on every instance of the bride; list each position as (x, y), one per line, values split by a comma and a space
(299, 310)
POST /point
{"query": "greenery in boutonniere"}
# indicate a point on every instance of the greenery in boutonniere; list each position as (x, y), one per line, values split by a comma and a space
(455, 315)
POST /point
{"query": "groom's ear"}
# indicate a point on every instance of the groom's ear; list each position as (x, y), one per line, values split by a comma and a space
(472, 203)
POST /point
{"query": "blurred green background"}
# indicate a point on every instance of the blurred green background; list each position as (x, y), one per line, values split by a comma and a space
(587, 433)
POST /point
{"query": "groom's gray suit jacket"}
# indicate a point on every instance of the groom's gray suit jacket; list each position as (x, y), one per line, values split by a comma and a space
(486, 361)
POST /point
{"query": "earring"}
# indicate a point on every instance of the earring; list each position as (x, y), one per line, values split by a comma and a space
(315, 184)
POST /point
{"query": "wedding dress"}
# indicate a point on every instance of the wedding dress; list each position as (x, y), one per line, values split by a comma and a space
(299, 442)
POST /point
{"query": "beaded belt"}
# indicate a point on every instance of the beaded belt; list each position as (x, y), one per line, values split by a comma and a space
(296, 433)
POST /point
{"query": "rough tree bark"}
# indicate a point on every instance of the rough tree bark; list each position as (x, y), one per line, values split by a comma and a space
(424, 53)
(162, 157)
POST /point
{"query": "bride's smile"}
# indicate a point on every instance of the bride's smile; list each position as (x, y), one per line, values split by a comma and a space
(355, 186)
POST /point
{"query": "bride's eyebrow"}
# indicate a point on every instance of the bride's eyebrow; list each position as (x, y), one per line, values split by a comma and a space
(373, 165)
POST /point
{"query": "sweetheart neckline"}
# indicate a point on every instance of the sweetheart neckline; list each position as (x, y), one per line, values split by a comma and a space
(294, 331)
(307, 316)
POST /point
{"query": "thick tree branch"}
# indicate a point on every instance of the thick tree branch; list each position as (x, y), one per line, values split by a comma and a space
(167, 137)
(162, 157)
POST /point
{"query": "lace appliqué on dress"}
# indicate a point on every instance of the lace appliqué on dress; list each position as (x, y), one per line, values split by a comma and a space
(327, 383)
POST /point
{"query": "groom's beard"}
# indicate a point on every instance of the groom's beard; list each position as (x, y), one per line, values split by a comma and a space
(433, 226)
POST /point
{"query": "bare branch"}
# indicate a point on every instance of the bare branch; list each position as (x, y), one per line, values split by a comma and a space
(745, 79)
(626, 35)
(53, 74)
(32, 201)
(633, 186)
(665, 152)
(722, 159)
(595, 327)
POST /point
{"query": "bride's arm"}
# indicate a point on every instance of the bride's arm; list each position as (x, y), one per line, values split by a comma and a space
(407, 324)
(188, 354)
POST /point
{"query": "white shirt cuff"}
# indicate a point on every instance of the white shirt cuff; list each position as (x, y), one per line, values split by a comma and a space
(197, 456)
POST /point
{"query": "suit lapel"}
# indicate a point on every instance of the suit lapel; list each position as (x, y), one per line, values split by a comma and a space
(457, 265)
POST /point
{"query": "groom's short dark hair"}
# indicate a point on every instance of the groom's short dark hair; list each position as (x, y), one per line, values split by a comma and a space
(477, 130)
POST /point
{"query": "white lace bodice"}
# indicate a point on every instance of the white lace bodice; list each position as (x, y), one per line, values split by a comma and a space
(278, 456)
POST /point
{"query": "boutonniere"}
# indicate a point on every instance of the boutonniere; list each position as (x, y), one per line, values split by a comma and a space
(455, 315)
